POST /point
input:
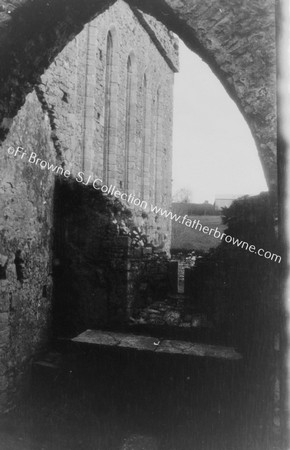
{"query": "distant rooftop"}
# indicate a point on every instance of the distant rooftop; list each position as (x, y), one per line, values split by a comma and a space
(226, 196)
(224, 200)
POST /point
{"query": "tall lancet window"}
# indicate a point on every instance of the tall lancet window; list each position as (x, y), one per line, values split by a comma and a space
(144, 136)
(156, 149)
(128, 130)
(108, 99)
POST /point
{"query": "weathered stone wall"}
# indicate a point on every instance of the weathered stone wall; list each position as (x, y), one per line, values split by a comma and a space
(26, 205)
(88, 264)
(72, 92)
(100, 278)
(74, 89)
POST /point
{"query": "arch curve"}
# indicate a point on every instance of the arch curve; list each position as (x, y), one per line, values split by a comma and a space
(236, 39)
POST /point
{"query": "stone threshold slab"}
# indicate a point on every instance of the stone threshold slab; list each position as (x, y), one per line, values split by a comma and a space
(156, 345)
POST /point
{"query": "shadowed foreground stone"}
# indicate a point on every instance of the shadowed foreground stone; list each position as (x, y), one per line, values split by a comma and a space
(153, 344)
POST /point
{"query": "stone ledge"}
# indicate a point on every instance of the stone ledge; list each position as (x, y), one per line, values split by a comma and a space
(153, 344)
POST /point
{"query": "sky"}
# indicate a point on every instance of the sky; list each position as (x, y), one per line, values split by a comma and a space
(213, 150)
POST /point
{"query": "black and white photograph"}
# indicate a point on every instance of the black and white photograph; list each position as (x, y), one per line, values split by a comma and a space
(144, 238)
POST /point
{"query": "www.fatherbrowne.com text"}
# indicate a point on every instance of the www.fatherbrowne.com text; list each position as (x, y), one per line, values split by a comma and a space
(98, 184)
(216, 233)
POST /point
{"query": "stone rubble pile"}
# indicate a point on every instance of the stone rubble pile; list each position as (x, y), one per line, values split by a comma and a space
(173, 314)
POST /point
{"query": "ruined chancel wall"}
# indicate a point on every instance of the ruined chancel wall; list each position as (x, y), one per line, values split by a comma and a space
(110, 105)
(139, 79)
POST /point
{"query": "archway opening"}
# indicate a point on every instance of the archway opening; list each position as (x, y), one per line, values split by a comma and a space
(215, 158)
(183, 380)
(213, 149)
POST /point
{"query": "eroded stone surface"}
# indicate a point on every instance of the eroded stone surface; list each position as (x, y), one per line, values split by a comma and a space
(26, 195)
(97, 337)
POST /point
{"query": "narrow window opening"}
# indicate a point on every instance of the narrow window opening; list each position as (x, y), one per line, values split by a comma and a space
(128, 123)
(156, 149)
(143, 150)
(108, 95)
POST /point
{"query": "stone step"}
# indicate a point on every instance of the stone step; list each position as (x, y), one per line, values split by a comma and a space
(154, 344)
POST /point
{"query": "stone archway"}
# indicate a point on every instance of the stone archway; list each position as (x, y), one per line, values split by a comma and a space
(236, 39)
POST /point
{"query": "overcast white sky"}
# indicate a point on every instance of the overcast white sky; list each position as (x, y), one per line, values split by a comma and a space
(213, 149)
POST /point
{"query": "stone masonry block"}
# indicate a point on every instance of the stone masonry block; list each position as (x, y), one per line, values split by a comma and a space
(4, 302)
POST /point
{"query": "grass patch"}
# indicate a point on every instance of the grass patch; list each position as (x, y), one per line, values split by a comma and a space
(190, 239)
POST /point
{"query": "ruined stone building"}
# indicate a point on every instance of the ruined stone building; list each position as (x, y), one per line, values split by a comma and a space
(100, 116)
(109, 93)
